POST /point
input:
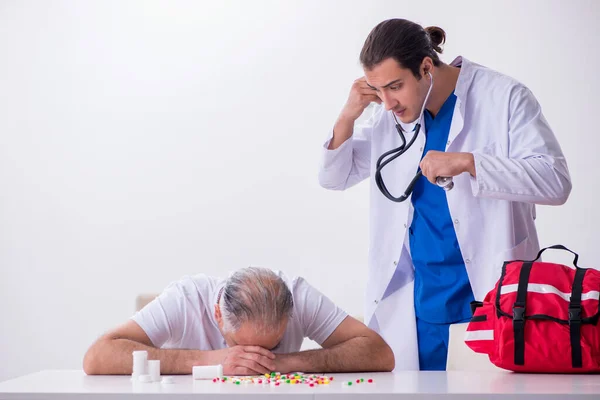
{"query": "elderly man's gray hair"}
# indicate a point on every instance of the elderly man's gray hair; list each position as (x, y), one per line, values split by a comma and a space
(255, 295)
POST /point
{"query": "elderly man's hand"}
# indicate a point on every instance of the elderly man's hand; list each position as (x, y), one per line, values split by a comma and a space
(246, 360)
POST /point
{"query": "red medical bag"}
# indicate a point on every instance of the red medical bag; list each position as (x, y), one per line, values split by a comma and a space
(540, 317)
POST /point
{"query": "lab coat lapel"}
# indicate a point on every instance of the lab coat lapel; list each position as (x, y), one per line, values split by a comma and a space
(457, 124)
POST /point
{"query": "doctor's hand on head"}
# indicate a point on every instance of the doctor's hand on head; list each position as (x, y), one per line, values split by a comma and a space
(439, 163)
(361, 95)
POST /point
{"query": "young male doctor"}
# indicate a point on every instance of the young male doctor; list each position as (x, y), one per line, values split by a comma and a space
(433, 254)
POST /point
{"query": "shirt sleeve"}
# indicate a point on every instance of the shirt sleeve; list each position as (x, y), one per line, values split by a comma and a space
(318, 315)
(535, 170)
(163, 319)
(350, 163)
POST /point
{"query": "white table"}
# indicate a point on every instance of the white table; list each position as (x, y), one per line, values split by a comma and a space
(74, 384)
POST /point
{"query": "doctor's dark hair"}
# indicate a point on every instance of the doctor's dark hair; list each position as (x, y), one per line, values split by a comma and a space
(405, 41)
(255, 295)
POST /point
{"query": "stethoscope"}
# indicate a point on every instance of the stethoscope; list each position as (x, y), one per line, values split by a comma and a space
(445, 182)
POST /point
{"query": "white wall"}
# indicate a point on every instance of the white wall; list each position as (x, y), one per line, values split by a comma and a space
(144, 140)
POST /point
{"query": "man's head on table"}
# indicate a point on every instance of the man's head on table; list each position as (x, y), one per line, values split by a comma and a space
(251, 323)
(253, 308)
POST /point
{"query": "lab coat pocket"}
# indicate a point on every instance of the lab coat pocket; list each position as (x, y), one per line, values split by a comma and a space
(518, 252)
(490, 149)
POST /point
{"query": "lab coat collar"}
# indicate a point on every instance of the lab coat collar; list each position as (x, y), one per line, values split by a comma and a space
(465, 79)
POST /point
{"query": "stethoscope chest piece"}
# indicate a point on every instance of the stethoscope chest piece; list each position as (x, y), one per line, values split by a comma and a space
(445, 182)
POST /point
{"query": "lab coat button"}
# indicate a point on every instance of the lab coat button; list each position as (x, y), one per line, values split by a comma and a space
(404, 226)
(395, 262)
(421, 149)
(467, 261)
(376, 302)
(449, 141)
(455, 222)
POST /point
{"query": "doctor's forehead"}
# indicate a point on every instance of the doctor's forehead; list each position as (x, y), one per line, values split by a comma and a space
(387, 71)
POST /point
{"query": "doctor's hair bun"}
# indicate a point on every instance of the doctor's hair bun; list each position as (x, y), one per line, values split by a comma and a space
(437, 36)
(404, 41)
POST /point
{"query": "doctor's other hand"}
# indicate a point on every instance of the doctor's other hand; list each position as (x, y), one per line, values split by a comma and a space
(439, 163)
(361, 95)
(245, 360)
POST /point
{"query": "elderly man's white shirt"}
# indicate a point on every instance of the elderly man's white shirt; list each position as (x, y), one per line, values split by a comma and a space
(182, 316)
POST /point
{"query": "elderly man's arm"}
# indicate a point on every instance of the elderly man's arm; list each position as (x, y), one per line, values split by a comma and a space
(111, 355)
(352, 347)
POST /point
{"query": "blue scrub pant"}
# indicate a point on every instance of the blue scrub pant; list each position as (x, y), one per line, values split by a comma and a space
(433, 345)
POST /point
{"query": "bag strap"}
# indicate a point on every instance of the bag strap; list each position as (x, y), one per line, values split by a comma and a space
(575, 317)
(559, 247)
(519, 313)
(475, 305)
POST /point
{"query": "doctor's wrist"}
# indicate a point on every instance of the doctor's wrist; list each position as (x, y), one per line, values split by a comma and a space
(469, 163)
(342, 131)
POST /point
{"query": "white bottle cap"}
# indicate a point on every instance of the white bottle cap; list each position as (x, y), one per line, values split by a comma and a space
(207, 371)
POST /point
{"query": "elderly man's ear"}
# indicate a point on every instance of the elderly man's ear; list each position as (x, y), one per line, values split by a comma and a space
(218, 315)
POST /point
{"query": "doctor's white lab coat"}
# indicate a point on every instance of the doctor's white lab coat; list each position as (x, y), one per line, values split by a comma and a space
(518, 163)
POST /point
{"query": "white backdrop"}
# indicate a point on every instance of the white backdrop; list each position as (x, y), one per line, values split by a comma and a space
(144, 140)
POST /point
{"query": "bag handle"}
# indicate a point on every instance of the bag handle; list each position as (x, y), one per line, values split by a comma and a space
(559, 247)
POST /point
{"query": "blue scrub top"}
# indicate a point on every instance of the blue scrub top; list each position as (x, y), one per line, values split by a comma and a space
(442, 290)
